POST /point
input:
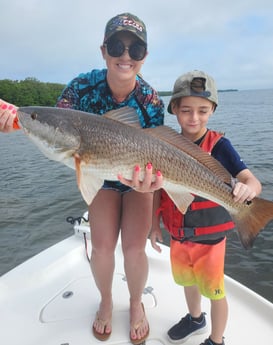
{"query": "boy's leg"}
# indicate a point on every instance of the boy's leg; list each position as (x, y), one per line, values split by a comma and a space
(219, 315)
(193, 299)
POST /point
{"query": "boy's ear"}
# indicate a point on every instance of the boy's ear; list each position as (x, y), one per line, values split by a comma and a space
(173, 107)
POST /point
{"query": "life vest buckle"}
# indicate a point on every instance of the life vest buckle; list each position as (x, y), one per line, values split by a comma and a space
(186, 233)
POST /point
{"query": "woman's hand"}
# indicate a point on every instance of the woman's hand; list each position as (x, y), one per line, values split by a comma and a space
(148, 184)
(7, 116)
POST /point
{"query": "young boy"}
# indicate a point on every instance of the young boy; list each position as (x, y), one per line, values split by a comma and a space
(198, 262)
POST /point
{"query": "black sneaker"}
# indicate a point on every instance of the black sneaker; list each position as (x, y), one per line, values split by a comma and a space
(209, 342)
(185, 328)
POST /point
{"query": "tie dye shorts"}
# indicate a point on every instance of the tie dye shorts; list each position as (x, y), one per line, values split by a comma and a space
(201, 265)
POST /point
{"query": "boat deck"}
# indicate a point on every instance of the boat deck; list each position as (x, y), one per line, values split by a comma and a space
(52, 299)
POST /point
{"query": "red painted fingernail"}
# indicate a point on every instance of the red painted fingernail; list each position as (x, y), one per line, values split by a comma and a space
(10, 107)
(137, 168)
(158, 173)
(15, 124)
(149, 166)
(4, 106)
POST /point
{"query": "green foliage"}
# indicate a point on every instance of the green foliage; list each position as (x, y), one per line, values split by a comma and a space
(34, 92)
(30, 92)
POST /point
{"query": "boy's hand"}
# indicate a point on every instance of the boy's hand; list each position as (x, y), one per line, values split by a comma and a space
(156, 235)
(243, 193)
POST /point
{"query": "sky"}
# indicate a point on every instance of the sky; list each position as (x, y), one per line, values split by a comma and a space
(55, 40)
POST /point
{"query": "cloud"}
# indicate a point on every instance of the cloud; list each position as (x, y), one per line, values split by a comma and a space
(56, 40)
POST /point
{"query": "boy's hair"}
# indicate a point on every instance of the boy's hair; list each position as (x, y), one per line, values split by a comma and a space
(194, 83)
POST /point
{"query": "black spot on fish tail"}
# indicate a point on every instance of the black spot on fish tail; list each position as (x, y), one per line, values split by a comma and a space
(250, 223)
(34, 115)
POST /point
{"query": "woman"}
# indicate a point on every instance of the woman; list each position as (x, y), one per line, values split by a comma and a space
(116, 209)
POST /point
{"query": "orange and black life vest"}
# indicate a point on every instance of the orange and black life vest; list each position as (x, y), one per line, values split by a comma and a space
(204, 219)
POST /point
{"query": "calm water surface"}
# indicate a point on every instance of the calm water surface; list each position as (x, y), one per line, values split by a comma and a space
(37, 195)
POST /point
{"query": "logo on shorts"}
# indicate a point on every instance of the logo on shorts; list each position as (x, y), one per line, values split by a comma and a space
(217, 292)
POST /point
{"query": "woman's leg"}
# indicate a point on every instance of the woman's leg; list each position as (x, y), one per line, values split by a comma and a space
(135, 226)
(104, 218)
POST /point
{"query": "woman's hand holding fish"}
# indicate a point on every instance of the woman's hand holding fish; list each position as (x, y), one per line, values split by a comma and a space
(149, 184)
(7, 116)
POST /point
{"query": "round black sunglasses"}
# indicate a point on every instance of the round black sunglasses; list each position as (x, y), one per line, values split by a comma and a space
(116, 48)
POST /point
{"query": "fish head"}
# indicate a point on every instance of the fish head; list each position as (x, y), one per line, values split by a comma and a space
(51, 131)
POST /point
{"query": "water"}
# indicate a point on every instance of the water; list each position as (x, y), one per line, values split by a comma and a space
(36, 196)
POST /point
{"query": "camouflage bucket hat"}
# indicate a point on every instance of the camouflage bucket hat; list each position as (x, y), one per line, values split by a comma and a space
(195, 83)
(126, 22)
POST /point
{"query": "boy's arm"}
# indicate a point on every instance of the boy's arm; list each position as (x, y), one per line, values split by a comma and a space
(247, 187)
(156, 233)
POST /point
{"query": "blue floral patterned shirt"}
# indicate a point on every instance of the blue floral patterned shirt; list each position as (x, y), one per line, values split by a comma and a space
(90, 92)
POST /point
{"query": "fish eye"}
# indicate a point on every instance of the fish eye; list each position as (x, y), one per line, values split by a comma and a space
(34, 116)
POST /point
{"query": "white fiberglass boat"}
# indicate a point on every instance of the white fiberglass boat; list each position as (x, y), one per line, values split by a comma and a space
(52, 299)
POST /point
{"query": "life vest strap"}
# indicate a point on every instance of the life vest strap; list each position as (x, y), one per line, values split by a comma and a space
(189, 232)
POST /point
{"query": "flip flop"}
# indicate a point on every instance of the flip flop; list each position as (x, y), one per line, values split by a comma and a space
(136, 327)
(101, 336)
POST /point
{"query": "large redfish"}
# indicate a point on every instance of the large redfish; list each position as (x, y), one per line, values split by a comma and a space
(101, 147)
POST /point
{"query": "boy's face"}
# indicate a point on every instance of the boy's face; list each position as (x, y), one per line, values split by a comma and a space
(192, 115)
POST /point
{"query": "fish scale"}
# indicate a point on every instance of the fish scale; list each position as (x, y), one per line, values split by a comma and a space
(101, 147)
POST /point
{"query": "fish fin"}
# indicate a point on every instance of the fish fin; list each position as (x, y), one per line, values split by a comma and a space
(174, 138)
(126, 115)
(88, 184)
(182, 200)
(251, 222)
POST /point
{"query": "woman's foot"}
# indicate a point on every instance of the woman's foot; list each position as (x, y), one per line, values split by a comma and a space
(139, 329)
(102, 326)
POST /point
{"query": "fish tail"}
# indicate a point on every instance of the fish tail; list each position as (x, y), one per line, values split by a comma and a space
(250, 223)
